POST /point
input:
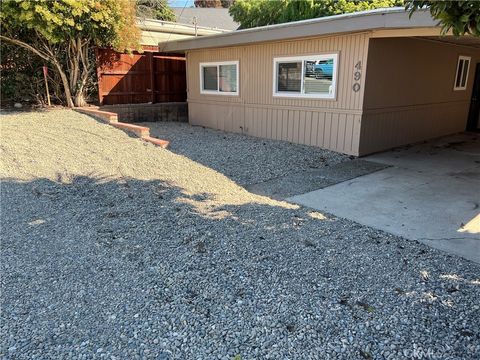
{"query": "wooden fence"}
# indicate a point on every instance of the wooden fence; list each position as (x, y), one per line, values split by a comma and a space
(150, 77)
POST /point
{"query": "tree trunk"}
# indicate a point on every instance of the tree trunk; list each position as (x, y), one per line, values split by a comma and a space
(66, 85)
(79, 99)
(80, 70)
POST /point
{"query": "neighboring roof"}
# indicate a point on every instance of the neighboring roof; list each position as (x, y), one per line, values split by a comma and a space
(209, 17)
(379, 19)
(155, 31)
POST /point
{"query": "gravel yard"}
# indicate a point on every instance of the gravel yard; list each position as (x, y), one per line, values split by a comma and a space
(244, 159)
(114, 248)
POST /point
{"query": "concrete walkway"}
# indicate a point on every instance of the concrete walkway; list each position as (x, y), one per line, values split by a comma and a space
(431, 193)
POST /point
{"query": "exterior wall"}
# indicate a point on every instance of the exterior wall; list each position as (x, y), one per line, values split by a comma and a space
(409, 93)
(333, 124)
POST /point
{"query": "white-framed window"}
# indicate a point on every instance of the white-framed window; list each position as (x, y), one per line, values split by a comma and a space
(219, 78)
(312, 76)
(461, 75)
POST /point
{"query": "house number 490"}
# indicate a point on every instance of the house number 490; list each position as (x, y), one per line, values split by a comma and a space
(357, 75)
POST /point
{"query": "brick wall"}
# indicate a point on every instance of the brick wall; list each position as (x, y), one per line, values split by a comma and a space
(132, 113)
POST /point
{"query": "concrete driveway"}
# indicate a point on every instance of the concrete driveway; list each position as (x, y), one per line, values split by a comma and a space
(430, 193)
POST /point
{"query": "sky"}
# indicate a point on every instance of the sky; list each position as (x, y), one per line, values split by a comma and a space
(180, 3)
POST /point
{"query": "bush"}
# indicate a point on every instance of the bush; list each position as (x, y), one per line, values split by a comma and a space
(21, 79)
(18, 76)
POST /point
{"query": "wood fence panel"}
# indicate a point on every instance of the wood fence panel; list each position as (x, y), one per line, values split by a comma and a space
(140, 78)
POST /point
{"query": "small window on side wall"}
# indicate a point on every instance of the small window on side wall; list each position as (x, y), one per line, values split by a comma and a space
(461, 76)
(219, 78)
(312, 76)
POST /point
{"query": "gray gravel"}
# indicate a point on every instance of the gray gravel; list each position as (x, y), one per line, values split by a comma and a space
(244, 159)
(113, 248)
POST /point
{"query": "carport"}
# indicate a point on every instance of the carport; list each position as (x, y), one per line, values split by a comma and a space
(418, 88)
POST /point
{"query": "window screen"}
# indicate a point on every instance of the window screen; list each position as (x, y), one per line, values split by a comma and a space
(289, 76)
(210, 78)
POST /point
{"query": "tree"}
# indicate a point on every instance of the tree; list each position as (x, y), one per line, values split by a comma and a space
(155, 9)
(213, 3)
(64, 33)
(462, 17)
(253, 13)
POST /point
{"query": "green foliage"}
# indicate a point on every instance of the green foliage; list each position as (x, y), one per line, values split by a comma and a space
(213, 3)
(18, 74)
(21, 78)
(104, 22)
(155, 9)
(64, 32)
(253, 13)
(461, 17)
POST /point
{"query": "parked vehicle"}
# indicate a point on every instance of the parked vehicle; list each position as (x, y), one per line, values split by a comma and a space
(324, 70)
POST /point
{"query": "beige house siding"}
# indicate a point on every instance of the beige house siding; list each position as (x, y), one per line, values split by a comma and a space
(333, 124)
(409, 93)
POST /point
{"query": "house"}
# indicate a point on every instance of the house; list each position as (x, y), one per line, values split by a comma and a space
(214, 18)
(155, 31)
(354, 83)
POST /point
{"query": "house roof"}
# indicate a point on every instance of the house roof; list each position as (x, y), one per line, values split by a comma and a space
(155, 31)
(208, 17)
(379, 19)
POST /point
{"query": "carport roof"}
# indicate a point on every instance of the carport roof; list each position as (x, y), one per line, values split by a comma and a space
(379, 19)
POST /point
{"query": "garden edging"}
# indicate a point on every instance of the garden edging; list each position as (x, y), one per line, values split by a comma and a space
(111, 118)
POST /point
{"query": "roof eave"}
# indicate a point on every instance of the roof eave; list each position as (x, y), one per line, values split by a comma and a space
(348, 23)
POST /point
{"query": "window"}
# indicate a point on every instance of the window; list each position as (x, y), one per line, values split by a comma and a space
(312, 76)
(219, 78)
(461, 76)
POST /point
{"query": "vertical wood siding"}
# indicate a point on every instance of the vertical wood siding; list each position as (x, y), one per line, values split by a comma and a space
(332, 124)
(395, 127)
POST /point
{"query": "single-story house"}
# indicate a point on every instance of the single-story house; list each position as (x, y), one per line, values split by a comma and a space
(155, 31)
(355, 83)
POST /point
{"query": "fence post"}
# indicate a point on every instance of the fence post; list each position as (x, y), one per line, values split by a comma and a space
(152, 76)
(45, 73)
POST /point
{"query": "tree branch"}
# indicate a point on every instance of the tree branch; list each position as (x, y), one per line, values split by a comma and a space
(43, 55)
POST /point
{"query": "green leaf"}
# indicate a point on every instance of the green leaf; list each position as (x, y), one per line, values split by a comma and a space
(25, 5)
(465, 18)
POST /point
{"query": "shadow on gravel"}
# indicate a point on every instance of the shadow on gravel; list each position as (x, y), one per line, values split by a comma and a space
(93, 264)
(123, 214)
(273, 168)
(303, 182)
